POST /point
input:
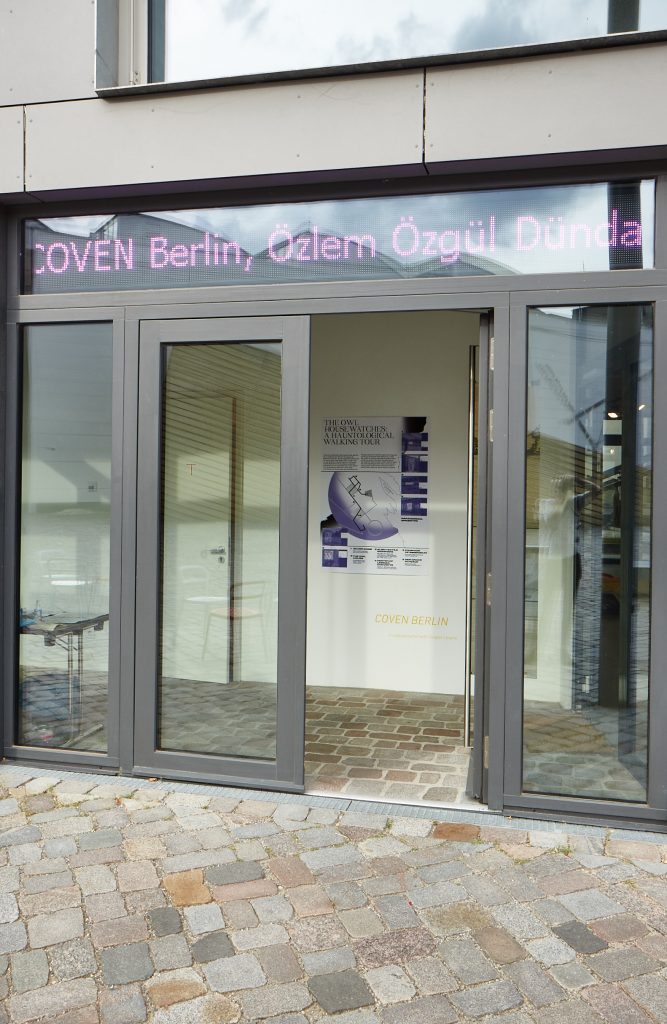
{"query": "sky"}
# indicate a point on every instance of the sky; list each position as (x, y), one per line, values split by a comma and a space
(218, 38)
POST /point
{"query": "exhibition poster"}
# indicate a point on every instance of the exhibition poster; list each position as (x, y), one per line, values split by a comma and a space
(375, 495)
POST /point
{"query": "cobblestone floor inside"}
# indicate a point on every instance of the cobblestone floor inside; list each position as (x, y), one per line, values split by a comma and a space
(386, 744)
(128, 901)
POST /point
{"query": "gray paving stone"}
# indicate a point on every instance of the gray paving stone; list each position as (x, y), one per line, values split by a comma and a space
(590, 905)
(18, 836)
(619, 964)
(651, 993)
(123, 964)
(13, 937)
(273, 999)
(572, 975)
(485, 891)
(431, 976)
(279, 963)
(615, 1006)
(204, 918)
(170, 952)
(425, 1010)
(9, 908)
(102, 838)
(345, 990)
(493, 997)
(234, 973)
(464, 957)
(550, 951)
(519, 921)
(535, 983)
(231, 874)
(437, 895)
(255, 831)
(581, 938)
(332, 856)
(122, 1005)
(346, 895)
(390, 984)
(553, 912)
(361, 923)
(355, 1017)
(95, 879)
(47, 882)
(213, 946)
(574, 1011)
(29, 970)
(396, 947)
(9, 879)
(397, 911)
(262, 935)
(52, 1000)
(73, 959)
(165, 921)
(273, 909)
(329, 961)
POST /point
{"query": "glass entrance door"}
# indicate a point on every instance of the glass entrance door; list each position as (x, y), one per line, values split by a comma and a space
(221, 549)
(581, 725)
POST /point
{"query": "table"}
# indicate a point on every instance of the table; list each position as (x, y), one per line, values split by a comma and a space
(59, 632)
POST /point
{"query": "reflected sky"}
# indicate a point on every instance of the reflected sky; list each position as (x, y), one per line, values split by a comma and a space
(217, 38)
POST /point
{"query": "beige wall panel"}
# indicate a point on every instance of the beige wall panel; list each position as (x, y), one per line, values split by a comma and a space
(48, 50)
(11, 164)
(558, 104)
(282, 128)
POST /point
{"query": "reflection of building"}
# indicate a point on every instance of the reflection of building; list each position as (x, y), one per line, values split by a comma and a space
(468, 238)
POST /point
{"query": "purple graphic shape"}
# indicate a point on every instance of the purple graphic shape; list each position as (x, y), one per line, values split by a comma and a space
(356, 510)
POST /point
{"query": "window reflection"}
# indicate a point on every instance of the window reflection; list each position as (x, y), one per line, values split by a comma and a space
(588, 551)
(65, 516)
(211, 38)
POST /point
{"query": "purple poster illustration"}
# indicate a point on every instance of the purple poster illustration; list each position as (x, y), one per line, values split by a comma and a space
(375, 494)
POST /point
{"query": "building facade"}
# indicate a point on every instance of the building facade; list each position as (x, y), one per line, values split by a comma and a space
(334, 404)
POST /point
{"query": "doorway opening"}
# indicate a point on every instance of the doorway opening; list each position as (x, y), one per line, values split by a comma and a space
(392, 556)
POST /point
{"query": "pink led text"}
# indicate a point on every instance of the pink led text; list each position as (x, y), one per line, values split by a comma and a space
(477, 238)
(101, 255)
(211, 252)
(555, 233)
(311, 246)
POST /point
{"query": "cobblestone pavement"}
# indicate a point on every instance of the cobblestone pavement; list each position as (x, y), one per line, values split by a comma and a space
(123, 902)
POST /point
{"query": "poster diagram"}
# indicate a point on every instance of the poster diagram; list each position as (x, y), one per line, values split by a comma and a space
(375, 495)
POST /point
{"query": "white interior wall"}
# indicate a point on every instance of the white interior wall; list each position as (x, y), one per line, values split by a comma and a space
(394, 364)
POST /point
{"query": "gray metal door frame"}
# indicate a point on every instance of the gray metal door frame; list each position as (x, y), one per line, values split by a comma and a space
(286, 772)
(512, 798)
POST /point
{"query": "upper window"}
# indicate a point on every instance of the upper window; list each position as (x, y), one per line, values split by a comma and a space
(208, 39)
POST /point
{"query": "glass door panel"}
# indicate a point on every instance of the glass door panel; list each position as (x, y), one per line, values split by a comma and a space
(65, 481)
(588, 551)
(220, 530)
(221, 549)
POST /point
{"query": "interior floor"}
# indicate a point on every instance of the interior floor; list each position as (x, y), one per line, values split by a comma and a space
(386, 744)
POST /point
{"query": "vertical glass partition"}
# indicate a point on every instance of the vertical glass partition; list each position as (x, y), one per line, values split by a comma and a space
(588, 551)
(63, 612)
(220, 520)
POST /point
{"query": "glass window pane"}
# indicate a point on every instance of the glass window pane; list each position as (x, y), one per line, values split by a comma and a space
(588, 551)
(209, 39)
(220, 494)
(65, 511)
(553, 229)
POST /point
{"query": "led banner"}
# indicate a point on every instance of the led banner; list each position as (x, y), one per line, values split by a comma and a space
(560, 229)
